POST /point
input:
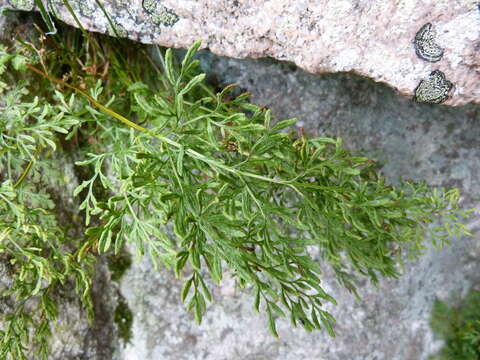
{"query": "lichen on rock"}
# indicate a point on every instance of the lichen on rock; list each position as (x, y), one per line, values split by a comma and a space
(433, 90)
(86, 8)
(117, 30)
(425, 45)
(320, 36)
(159, 14)
(26, 5)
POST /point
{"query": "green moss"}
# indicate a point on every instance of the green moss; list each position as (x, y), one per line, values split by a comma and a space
(123, 318)
(459, 327)
(118, 264)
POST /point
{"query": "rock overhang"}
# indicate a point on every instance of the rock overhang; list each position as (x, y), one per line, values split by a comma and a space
(377, 39)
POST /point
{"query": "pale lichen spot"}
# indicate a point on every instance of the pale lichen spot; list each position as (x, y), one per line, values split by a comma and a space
(425, 45)
(433, 90)
(86, 8)
(118, 30)
(26, 5)
(159, 14)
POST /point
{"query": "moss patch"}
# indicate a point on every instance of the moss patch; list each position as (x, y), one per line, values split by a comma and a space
(459, 327)
(123, 318)
(118, 264)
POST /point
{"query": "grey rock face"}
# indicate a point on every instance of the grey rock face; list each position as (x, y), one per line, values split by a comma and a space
(372, 38)
(73, 336)
(421, 142)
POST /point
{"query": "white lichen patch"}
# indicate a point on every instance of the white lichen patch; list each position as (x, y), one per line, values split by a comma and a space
(408, 5)
(454, 59)
(159, 14)
(342, 6)
(459, 33)
(347, 59)
(26, 5)
(86, 8)
(118, 30)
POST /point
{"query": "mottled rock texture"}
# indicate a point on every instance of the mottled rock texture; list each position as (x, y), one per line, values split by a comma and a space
(372, 38)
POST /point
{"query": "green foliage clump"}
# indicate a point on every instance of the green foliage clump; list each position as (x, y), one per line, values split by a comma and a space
(118, 264)
(201, 182)
(36, 248)
(123, 317)
(459, 327)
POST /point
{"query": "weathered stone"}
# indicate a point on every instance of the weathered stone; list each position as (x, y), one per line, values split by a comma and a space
(371, 38)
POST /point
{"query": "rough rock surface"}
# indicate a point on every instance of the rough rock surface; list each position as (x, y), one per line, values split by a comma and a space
(391, 322)
(372, 38)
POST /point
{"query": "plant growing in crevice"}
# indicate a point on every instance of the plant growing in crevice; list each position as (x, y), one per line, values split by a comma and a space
(36, 247)
(189, 176)
(459, 327)
(123, 317)
(118, 264)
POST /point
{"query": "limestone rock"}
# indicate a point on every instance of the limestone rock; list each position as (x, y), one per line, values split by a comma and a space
(371, 38)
